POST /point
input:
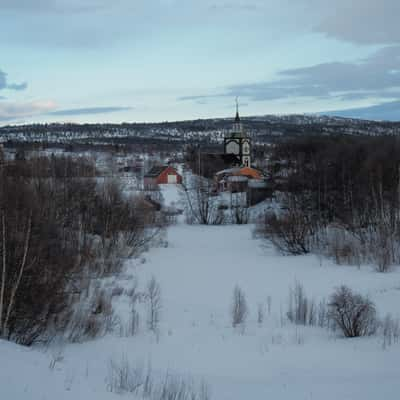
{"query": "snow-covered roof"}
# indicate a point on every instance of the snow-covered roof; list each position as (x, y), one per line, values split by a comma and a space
(229, 171)
(239, 178)
(257, 183)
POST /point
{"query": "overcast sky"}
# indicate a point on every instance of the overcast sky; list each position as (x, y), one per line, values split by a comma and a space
(156, 60)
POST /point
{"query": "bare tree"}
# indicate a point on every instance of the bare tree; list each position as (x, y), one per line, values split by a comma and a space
(239, 208)
(16, 284)
(58, 231)
(203, 206)
(239, 309)
(260, 313)
(154, 299)
(4, 271)
(290, 231)
(133, 323)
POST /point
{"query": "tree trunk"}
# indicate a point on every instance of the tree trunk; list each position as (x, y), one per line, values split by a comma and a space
(3, 274)
(21, 272)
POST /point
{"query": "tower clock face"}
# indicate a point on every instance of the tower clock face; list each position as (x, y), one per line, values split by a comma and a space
(232, 147)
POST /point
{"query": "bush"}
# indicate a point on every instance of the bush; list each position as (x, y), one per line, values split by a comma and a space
(375, 244)
(290, 232)
(390, 331)
(303, 311)
(94, 317)
(123, 377)
(353, 313)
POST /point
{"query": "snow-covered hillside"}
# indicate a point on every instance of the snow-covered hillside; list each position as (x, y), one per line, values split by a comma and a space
(274, 359)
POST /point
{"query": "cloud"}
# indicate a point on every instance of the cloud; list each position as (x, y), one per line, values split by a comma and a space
(12, 86)
(17, 86)
(13, 110)
(67, 23)
(384, 112)
(237, 5)
(73, 6)
(357, 21)
(81, 23)
(377, 76)
(360, 21)
(88, 110)
(51, 6)
(101, 23)
(200, 99)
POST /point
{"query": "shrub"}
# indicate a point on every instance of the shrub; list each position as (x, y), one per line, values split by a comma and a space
(353, 313)
(390, 331)
(290, 232)
(304, 311)
(123, 377)
(94, 317)
(301, 309)
(375, 243)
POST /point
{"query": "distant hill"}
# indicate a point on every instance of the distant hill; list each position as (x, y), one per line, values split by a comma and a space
(262, 128)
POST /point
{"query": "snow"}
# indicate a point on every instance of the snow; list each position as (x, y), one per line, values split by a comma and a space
(228, 171)
(197, 273)
(237, 179)
(172, 194)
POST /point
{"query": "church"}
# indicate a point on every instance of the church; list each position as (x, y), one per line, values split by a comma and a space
(237, 142)
(236, 152)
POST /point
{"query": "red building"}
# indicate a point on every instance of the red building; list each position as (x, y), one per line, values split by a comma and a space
(161, 175)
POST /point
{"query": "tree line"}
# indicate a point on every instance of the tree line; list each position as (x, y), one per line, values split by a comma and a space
(340, 195)
(60, 227)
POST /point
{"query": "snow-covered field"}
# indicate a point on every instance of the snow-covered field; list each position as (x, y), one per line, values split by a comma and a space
(272, 360)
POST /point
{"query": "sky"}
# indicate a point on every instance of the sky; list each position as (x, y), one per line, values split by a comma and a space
(159, 60)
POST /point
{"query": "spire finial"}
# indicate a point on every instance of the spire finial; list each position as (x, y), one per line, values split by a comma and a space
(237, 119)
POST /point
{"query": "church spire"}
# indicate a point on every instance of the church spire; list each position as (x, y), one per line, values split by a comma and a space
(237, 118)
(237, 125)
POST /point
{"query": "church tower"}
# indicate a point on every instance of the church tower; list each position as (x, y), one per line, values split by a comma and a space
(237, 142)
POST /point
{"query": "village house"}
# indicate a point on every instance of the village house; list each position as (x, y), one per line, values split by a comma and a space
(159, 175)
(246, 180)
(236, 179)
